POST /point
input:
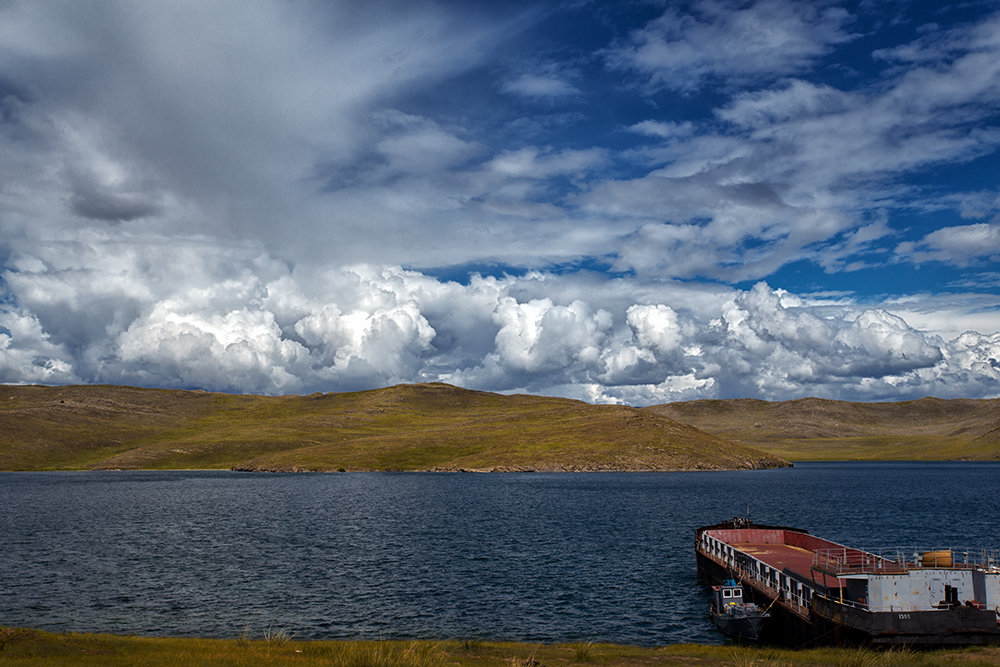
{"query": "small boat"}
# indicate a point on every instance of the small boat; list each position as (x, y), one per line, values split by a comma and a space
(734, 616)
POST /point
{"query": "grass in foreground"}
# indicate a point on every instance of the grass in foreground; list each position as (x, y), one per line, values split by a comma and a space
(34, 647)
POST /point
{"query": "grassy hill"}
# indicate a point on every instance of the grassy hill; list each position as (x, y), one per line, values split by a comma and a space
(406, 427)
(818, 429)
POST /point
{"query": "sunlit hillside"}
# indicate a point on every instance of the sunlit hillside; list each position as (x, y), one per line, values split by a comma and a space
(818, 429)
(406, 427)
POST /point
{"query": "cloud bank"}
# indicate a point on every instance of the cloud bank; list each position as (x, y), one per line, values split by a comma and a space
(239, 321)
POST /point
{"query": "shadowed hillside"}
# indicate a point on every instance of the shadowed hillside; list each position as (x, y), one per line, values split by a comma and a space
(406, 427)
(819, 429)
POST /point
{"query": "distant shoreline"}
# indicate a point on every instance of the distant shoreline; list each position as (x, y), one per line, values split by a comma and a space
(469, 471)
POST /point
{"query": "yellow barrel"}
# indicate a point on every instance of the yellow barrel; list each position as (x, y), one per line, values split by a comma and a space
(936, 559)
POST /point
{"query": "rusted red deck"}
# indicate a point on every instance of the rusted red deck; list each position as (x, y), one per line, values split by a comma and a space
(786, 556)
(781, 548)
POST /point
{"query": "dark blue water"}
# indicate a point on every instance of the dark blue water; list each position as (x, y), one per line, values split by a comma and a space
(533, 557)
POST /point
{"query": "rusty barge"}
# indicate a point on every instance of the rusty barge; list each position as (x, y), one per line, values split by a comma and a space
(820, 592)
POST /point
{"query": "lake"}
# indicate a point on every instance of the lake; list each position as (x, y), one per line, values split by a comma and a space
(522, 556)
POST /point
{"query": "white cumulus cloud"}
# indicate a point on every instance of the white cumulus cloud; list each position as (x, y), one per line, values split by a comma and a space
(154, 319)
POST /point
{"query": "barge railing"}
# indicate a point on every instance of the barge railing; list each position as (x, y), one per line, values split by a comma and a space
(898, 560)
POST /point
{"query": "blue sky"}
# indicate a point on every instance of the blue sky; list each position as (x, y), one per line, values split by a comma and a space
(633, 202)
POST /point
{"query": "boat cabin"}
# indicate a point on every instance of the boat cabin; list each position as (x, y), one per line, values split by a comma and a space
(729, 593)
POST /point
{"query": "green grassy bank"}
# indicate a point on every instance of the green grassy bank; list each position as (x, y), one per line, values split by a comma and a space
(406, 427)
(441, 427)
(815, 429)
(33, 647)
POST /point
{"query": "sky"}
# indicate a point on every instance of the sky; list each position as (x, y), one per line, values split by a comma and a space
(628, 202)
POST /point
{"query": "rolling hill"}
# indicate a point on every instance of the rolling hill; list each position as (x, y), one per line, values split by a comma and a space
(405, 427)
(819, 429)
